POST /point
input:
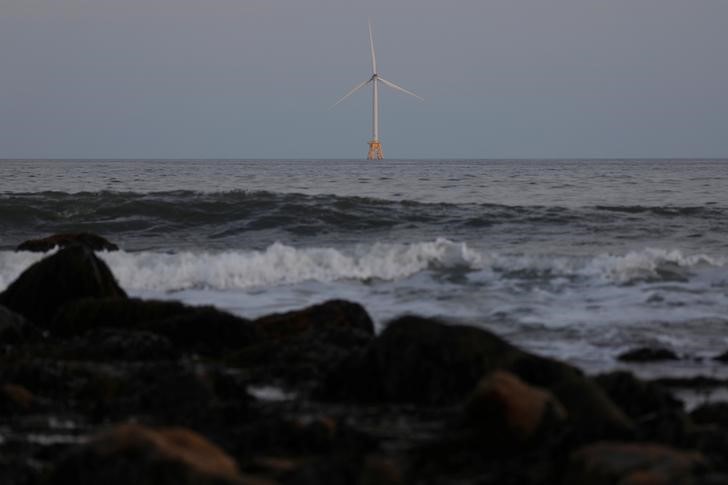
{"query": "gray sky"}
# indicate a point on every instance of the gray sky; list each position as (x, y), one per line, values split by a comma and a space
(255, 78)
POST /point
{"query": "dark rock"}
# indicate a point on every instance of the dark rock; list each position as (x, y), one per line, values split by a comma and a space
(419, 360)
(70, 274)
(110, 344)
(647, 354)
(632, 464)
(424, 361)
(722, 357)
(137, 454)
(300, 347)
(14, 328)
(331, 314)
(200, 329)
(635, 397)
(591, 413)
(711, 413)
(507, 413)
(91, 241)
(15, 399)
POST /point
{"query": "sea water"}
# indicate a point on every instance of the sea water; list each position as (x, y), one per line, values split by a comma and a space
(577, 259)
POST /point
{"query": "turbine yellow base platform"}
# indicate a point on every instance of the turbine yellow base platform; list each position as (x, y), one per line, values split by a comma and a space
(375, 150)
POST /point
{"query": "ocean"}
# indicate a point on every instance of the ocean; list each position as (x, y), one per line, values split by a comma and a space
(575, 259)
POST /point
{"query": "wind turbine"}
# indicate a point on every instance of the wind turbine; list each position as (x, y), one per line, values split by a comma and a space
(375, 146)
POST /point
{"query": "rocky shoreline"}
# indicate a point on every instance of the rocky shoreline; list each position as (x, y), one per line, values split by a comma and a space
(97, 387)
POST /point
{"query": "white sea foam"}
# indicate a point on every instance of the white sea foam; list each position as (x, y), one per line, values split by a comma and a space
(280, 264)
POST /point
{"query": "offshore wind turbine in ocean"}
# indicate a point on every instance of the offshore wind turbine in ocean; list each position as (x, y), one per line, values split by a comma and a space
(375, 146)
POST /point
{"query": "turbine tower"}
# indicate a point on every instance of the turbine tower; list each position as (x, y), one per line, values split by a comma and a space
(375, 146)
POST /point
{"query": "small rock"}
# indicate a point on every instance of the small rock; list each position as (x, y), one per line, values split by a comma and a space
(131, 453)
(508, 412)
(70, 274)
(632, 463)
(15, 398)
(647, 354)
(722, 357)
(91, 241)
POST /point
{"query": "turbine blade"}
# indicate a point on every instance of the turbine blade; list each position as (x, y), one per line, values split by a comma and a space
(399, 88)
(356, 88)
(371, 44)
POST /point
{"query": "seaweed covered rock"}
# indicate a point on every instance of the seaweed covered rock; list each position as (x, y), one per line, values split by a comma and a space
(419, 360)
(70, 274)
(201, 329)
(91, 241)
(141, 455)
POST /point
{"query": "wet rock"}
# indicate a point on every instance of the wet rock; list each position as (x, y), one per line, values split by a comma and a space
(508, 412)
(419, 360)
(14, 328)
(200, 329)
(70, 274)
(632, 464)
(635, 397)
(141, 455)
(91, 241)
(647, 354)
(298, 348)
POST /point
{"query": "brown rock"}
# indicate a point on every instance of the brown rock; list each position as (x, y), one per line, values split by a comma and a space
(131, 453)
(14, 398)
(334, 313)
(509, 411)
(632, 463)
(91, 241)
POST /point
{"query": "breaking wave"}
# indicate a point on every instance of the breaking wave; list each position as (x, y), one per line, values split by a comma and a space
(281, 264)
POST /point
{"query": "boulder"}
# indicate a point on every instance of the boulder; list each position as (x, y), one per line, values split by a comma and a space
(201, 329)
(300, 347)
(507, 412)
(591, 413)
(91, 241)
(331, 314)
(632, 464)
(647, 354)
(117, 344)
(419, 360)
(131, 453)
(70, 274)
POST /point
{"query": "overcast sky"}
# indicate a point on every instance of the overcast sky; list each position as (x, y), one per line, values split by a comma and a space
(256, 78)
